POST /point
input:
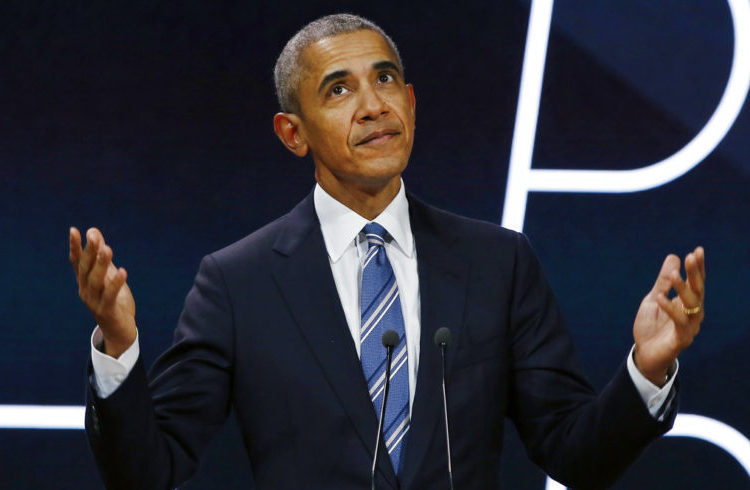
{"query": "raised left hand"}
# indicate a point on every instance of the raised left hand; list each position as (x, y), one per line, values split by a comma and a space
(665, 327)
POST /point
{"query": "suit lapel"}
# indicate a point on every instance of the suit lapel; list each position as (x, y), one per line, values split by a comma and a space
(443, 280)
(304, 276)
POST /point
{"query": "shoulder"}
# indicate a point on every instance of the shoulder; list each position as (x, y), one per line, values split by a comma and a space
(278, 236)
(470, 233)
(256, 243)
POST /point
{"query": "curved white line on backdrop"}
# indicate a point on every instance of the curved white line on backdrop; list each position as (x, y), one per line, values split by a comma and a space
(690, 155)
(522, 178)
(717, 433)
(707, 429)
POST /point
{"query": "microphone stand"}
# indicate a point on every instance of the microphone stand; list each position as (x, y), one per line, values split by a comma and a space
(442, 337)
(389, 343)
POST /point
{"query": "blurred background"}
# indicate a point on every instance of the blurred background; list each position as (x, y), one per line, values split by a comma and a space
(152, 120)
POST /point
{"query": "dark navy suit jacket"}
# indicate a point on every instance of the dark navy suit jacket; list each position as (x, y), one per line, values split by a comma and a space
(263, 330)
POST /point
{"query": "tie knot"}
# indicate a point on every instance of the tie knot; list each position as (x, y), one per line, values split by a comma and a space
(376, 235)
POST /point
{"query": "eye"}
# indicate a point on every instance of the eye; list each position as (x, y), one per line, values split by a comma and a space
(338, 90)
(385, 78)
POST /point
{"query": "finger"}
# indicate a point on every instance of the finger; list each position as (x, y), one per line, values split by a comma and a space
(98, 272)
(685, 328)
(700, 256)
(694, 277)
(75, 247)
(688, 296)
(93, 240)
(664, 280)
(113, 285)
(692, 323)
(672, 308)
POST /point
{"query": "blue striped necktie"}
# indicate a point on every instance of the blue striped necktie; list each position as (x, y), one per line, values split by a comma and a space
(381, 311)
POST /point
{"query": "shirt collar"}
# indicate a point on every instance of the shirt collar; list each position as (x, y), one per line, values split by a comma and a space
(340, 225)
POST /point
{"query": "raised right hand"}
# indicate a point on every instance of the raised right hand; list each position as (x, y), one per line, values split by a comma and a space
(103, 290)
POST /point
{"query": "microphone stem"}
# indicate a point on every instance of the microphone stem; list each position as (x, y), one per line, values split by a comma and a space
(445, 415)
(382, 415)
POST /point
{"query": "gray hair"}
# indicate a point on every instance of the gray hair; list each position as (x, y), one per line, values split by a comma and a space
(287, 73)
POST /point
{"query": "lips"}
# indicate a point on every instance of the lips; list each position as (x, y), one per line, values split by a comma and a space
(376, 135)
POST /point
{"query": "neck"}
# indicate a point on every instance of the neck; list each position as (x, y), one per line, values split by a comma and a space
(367, 201)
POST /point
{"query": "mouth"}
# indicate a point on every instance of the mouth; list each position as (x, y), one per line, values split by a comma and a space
(378, 137)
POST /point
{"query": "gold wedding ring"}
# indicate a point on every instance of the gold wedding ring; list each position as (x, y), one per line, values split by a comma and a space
(693, 310)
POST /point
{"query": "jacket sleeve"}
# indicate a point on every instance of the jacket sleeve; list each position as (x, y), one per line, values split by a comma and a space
(580, 439)
(150, 432)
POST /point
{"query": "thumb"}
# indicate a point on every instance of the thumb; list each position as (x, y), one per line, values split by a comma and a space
(664, 280)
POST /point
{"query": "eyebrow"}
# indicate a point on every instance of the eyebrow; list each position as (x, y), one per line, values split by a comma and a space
(333, 76)
(338, 74)
(387, 65)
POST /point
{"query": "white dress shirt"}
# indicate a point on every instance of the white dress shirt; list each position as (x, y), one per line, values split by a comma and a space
(346, 248)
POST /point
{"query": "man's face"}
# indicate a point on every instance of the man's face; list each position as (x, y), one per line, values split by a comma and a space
(357, 113)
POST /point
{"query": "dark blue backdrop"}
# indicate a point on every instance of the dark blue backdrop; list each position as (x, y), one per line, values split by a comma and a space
(152, 121)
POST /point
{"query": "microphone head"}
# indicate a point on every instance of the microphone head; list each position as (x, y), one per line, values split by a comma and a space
(442, 336)
(390, 338)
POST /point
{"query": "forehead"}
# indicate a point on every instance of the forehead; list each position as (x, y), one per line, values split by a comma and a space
(350, 52)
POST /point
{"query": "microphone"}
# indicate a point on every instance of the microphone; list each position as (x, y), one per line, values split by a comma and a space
(390, 340)
(442, 339)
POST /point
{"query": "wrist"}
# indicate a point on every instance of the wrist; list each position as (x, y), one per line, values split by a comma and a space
(115, 350)
(656, 373)
(115, 345)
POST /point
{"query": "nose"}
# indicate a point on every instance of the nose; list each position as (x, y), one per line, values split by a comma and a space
(372, 105)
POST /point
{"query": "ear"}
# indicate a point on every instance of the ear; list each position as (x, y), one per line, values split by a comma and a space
(412, 100)
(287, 128)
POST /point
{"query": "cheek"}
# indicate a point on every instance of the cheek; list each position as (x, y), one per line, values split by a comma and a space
(403, 109)
(334, 131)
(323, 136)
(332, 144)
(336, 138)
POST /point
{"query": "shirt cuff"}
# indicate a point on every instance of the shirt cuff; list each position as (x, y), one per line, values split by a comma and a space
(109, 373)
(653, 396)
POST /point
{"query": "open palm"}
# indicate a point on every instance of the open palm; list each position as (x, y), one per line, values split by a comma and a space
(664, 327)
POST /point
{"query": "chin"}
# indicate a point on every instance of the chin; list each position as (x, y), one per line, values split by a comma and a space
(384, 168)
(381, 178)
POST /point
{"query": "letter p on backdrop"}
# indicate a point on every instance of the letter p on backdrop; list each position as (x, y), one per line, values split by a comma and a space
(523, 179)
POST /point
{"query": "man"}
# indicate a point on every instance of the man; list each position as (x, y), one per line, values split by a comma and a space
(284, 325)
